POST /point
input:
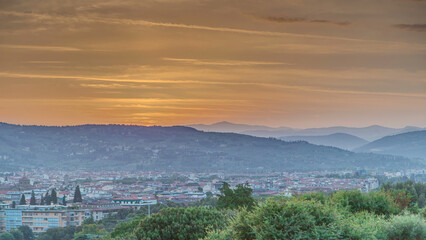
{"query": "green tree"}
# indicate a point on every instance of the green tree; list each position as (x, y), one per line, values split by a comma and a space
(233, 199)
(27, 232)
(42, 200)
(33, 199)
(180, 223)
(62, 233)
(405, 227)
(17, 235)
(54, 197)
(77, 195)
(47, 199)
(64, 200)
(22, 201)
(374, 202)
(6, 236)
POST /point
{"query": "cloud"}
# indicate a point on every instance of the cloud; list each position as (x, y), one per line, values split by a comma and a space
(222, 62)
(40, 48)
(301, 20)
(412, 27)
(122, 21)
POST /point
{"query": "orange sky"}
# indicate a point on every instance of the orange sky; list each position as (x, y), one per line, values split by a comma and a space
(173, 62)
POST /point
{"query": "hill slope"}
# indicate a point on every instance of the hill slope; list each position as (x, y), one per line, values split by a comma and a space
(340, 140)
(412, 144)
(369, 133)
(170, 149)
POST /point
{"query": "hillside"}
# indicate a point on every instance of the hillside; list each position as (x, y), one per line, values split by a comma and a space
(340, 140)
(412, 144)
(369, 133)
(170, 149)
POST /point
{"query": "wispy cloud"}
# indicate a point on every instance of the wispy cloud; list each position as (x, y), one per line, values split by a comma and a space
(222, 62)
(274, 19)
(40, 48)
(258, 84)
(46, 62)
(412, 27)
(122, 21)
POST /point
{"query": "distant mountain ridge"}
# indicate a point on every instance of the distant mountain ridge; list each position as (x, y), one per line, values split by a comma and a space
(411, 144)
(369, 133)
(123, 147)
(340, 140)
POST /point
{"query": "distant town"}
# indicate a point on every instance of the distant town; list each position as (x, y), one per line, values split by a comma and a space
(46, 199)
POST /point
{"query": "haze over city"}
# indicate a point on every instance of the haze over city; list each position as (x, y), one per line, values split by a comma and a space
(277, 63)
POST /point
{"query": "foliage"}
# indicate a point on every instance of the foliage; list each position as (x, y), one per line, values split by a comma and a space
(77, 195)
(6, 236)
(416, 191)
(33, 199)
(233, 199)
(22, 201)
(405, 227)
(17, 235)
(27, 232)
(374, 202)
(180, 223)
(63, 233)
(54, 197)
(125, 228)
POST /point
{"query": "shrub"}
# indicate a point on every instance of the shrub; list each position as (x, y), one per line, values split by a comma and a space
(405, 227)
(374, 202)
(180, 223)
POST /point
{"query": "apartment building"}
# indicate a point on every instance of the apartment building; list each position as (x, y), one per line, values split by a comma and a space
(41, 218)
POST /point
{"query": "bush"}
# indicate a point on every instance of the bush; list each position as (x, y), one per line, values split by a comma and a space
(180, 223)
(286, 219)
(405, 227)
(374, 202)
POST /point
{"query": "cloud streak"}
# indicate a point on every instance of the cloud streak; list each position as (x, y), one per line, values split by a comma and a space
(412, 27)
(221, 62)
(75, 19)
(41, 48)
(274, 19)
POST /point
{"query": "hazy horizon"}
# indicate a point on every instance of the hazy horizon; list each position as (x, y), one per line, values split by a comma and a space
(207, 124)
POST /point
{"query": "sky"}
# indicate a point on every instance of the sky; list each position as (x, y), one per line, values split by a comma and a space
(175, 62)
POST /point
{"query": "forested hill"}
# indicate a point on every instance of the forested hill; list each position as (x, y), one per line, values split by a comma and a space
(171, 149)
(412, 144)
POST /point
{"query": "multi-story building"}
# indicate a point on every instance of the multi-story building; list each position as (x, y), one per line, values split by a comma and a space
(40, 218)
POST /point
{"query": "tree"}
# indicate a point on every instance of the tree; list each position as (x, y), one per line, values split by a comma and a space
(22, 201)
(17, 235)
(47, 199)
(53, 197)
(33, 199)
(77, 195)
(180, 223)
(27, 232)
(64, 200)
(233, 199)
(62, 233)
(42, 200)
(6, 236)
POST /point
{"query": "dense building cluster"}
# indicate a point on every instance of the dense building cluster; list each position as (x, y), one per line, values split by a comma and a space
(46, 199)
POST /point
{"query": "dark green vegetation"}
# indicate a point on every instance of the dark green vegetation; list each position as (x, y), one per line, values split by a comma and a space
(173, 149)
(235, 198)
(410, 144)
(21, 233)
